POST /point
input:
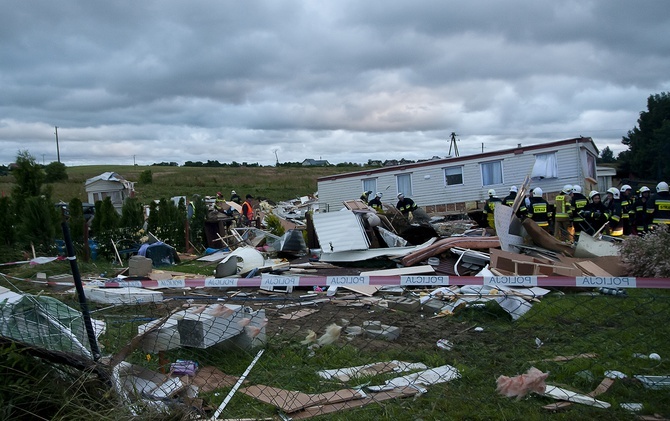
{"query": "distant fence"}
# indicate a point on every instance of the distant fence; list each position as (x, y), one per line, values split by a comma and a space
(398, 347)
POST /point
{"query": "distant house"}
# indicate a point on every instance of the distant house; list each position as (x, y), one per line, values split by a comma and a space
(458, 184)
(112, 185)
(315, 163)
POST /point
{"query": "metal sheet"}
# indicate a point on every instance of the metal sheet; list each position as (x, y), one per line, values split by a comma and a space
(340, 231)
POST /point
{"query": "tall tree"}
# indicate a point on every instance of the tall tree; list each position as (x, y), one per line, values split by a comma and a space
(606, 156)
(649, 142)
(28, 176)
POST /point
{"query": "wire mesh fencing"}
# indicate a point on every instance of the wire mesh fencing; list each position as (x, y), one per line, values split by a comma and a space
(390, 352)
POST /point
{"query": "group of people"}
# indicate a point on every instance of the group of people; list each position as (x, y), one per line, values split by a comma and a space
(247, 213)
(405, 205)
(620, 213)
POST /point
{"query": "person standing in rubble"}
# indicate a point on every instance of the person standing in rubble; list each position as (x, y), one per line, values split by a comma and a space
(627, 209)
(595, 214)
(613, 203)
(660, 205)
(248, 211)
(489, 208)
(642, 214)
(562, 204)
(220, 202)
(578, 202)
(234, 197)
(365, 197)
(376, 203)
(509, 201)
(405, 205)
(538, 209)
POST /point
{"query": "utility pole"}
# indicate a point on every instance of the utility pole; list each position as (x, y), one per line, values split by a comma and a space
(453, 144)
(134, 164)
(57, 148)
(276, 156)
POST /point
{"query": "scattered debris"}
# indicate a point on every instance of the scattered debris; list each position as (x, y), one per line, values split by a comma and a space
(519, 386)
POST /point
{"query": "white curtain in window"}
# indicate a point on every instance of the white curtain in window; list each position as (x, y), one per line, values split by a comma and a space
(546, 166)
(492, 173)
(370, 184)
(404, 183)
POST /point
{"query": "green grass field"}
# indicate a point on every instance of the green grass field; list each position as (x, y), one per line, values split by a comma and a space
(273, 183)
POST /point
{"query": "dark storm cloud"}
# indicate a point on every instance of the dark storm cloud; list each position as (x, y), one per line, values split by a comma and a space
(345, 81)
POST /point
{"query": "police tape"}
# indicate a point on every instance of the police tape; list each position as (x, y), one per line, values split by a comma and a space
(415, 280)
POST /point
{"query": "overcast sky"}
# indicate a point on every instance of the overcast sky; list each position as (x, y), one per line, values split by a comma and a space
(252, 81)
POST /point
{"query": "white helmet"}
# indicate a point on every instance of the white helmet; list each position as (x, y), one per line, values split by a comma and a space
(644, 189)
(379, 194)
(513, 189)
(662, 186)
(594, 193)
(400, 195)
(537, 192)
(626, 187)
(614, 192)
(233, 192)
(492, 192)
(567, 189)
(576, 189)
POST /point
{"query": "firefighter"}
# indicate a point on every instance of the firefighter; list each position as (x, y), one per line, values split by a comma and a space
(613, 203)
(642, 214)
(405, 205)
(220, 203)
(509, 201)
(660, 205)
(627, 209)
(376, 203)
(538, 209)
(562, 204)
(578, 202)
(366, 196)
(234, 197)
(595, 213)
(489, 208)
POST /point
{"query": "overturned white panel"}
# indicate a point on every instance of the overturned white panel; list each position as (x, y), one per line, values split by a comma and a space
(128, 295)
(340, 231)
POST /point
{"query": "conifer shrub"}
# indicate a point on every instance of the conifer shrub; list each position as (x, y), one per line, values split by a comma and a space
(648, 256)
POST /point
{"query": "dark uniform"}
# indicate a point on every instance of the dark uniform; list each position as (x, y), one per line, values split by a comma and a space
(642, 215)
(376, 203)
(615, 212)
(509, 201)
(539, 212)
(234, 197)
(405, 205)
(627, 210)
(660, 205)
(595, 214)
(578, 202)
(365, 196)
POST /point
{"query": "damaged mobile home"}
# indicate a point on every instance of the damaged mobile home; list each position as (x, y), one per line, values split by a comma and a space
(458, 184)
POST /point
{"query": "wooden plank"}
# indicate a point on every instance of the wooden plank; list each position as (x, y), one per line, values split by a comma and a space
(371, 398)
(593, 269)
(292, 401)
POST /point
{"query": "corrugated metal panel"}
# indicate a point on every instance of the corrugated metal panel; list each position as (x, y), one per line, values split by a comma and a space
(340, 231)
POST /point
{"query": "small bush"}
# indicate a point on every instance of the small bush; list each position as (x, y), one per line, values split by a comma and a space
(146, 177)
(648, 256)
(274, 225)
